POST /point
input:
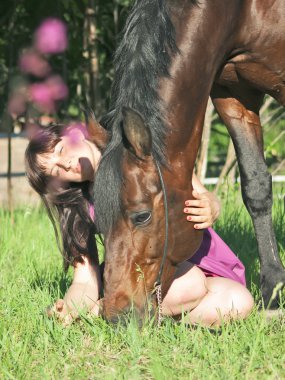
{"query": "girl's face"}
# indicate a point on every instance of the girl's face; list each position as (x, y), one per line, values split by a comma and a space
(74, 159)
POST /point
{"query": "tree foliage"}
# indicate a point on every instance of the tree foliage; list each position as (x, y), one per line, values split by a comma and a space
(18, 21)
(87, 67)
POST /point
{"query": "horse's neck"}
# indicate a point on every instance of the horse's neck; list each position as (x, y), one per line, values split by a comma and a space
(184, 98)
(192, 71)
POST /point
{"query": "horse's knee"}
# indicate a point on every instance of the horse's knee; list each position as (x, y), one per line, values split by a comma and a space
(257, 193)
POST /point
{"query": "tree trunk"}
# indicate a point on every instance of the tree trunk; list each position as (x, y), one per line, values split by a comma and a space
(279, 167)
(8, 121)
(9, 173)
(92, 75)
(202, 161)
(229, 167)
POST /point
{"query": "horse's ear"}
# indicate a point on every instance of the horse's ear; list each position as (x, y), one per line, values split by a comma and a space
(97, 134)
(137, 133)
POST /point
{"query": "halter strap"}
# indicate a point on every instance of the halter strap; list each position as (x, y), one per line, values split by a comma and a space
(158, 279)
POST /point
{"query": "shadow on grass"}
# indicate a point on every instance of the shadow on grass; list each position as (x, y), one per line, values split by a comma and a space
(56, 283)
(237, 231)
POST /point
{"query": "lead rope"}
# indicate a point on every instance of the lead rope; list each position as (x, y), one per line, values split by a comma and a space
(159, 304)
(157, 284)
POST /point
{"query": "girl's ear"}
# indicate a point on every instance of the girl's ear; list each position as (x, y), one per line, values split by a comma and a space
(97, 134)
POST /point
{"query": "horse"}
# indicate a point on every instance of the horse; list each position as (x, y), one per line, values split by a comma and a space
(173, 55)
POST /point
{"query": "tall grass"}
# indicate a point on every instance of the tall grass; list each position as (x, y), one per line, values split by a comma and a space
(35, 347)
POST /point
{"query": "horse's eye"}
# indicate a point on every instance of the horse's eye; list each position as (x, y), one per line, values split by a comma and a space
(141, 218)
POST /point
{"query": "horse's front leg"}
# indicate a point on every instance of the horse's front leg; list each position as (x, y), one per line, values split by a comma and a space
(240, 112)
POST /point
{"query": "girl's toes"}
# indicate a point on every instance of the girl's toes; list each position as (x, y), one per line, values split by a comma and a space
(56, 309)
(50, 311)
(59, 305)
(67, 320)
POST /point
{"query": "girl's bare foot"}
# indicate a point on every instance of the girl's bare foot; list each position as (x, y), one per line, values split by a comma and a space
(82, 295)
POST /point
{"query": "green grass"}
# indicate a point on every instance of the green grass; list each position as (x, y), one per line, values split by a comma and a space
(35, 347)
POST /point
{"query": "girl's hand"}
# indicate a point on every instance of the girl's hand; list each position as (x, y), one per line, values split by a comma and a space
(203, 210)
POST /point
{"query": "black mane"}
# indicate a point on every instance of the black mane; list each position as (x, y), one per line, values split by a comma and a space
(142, 58)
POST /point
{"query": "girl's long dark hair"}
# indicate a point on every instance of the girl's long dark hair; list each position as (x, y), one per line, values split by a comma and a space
(68, 205)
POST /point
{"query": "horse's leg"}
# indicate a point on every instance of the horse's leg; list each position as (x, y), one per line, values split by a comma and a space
(239, 109)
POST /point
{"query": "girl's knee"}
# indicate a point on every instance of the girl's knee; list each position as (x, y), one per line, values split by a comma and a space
(186, 291)
(232, 295)
(190, 287)
(242, 301)
(197, 288)
(238, 303)
(226, 300)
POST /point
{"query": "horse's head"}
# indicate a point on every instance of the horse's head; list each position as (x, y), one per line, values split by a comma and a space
(135, 241)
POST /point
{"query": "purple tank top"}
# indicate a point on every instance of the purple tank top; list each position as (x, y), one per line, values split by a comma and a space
(215, 258)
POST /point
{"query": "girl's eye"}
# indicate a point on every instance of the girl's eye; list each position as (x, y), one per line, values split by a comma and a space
(61, 149)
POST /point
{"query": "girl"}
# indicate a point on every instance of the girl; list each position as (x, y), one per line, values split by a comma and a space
(61, 164)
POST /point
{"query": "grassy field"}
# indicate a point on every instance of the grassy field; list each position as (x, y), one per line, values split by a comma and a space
(35, 347)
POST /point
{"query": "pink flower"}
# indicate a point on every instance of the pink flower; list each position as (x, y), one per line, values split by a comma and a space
(45, 94)
(17, 104)
(41, 95)
(32, 63)
(51, 37)
(57, 87)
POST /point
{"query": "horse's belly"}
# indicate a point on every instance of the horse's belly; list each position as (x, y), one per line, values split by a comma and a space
(257, 73)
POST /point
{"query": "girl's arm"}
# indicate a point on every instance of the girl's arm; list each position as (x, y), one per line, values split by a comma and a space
(204, 209)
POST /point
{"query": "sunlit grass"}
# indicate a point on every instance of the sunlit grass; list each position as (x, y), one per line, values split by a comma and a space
(35, 347)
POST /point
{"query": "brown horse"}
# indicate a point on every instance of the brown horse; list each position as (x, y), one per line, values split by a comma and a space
(174, 55)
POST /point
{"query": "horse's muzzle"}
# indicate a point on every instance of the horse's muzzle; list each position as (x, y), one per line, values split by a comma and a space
(140, 316)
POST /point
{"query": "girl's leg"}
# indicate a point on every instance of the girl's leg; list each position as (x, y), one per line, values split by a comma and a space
(206, 300)
(226, 300)
(83, 293)
(187, 290)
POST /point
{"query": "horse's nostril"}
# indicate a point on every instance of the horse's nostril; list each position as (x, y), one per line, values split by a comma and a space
(124, 317)
(114, 320)
(121, 316)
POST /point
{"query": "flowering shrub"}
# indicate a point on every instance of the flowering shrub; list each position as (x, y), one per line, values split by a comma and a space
(51, 37)
(46, 89)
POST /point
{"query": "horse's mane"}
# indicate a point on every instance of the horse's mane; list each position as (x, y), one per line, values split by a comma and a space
(142, 58)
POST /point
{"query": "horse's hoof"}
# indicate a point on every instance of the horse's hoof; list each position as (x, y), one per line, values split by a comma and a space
(271, 294)
(274, 314)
